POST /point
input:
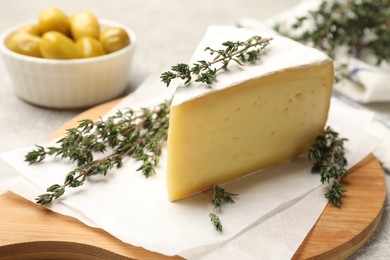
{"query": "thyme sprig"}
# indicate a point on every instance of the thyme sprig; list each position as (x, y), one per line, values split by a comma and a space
(240, 52)
(354, 24)
(138, 134)
(220, 198)
(329, 161)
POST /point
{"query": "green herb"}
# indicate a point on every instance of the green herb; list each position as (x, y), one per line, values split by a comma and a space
(355, 25)
(216, 221)
(138, 134)
(239, 51)
(329, 161)
(220, 198)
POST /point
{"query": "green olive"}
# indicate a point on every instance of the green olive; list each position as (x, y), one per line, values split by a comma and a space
(53, 19)
(89, 47)
(114, 39)
(24, 43)
(55, 45)
(30, 29)
(84, 24)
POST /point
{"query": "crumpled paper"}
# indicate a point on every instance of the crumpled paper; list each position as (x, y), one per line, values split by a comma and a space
(367, 82)
(137, 210)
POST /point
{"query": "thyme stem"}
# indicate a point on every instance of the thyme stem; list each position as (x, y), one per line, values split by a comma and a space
(240, 52)
(220, 198)
(330, 162)
(355, 25)
(138, 134)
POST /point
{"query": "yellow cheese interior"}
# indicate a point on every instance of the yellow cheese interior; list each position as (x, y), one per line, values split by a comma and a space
(230, 133)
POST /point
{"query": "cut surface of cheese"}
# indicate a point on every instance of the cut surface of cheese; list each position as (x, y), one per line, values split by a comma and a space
(253, 118)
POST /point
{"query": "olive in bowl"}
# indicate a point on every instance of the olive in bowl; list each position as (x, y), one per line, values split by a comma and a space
(79, 76)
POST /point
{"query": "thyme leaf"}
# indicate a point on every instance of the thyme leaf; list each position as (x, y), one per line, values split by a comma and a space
(328, 154)
(240, 52)
(216, 222)
(138, 134)
(220, 198)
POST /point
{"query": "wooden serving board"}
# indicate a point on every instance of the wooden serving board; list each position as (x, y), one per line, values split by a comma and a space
(30, 231)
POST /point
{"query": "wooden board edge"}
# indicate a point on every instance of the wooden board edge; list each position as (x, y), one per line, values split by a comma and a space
(93, 113)
(346, 249)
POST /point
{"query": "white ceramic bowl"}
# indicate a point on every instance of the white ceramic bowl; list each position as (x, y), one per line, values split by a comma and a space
(72, 83)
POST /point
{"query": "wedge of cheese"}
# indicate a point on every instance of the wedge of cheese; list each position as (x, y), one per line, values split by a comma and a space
(252, 118)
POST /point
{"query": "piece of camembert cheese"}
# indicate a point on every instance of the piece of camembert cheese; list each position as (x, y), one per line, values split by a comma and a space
(253, 117)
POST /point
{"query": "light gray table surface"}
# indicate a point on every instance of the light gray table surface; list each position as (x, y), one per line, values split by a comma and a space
(168, 32)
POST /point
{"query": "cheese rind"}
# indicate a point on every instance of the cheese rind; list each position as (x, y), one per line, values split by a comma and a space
(222, 135)
(281, 54)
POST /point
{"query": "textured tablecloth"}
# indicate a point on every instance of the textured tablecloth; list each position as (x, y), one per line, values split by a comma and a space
(168, 32)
